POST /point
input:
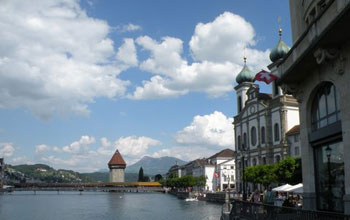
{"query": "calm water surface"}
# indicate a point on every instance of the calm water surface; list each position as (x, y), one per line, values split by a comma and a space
(95, 206)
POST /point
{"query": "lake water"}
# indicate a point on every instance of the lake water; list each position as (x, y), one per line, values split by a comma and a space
(102, 206)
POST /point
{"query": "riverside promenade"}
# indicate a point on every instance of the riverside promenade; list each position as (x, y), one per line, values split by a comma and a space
(258, 211)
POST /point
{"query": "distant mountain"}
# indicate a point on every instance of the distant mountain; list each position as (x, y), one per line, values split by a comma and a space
(153, 166)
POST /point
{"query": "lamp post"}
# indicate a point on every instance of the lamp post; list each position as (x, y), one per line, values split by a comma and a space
(243, 177)
(328, 154)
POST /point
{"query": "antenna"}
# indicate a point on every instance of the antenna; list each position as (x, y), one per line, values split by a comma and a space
(279, 26)
(244, 57)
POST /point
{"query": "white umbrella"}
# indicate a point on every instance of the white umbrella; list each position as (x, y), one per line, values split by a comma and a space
(295, 188)
(281, 188)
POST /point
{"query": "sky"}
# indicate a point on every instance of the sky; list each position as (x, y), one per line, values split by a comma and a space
(80, 79)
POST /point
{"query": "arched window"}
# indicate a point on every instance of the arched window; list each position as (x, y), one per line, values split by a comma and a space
(239, 142)
(263, 135)
(239, 100)
(277, 158)
(253, 136)
(277, 132)
(326, 140)
(254, 162)
(245, 141)
(325, 107)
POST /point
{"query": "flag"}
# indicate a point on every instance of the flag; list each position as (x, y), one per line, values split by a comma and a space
(216, 175)
(265, 77)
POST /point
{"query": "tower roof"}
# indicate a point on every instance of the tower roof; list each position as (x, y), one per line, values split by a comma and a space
(246, 75)
(117, 160)
(280, 50)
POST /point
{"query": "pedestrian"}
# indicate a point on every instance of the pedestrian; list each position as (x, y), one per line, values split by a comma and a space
(269, 197)
(256, 196)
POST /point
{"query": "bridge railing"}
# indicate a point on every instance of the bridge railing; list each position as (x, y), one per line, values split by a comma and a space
(258, 211)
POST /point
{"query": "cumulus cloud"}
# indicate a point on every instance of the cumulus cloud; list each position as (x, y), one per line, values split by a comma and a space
(214, 130)
(6, 149)
(217, 49)
(55, 58)
(81, 156)
(81, 146)
(127, 52)
(134, 146)
(42, 148)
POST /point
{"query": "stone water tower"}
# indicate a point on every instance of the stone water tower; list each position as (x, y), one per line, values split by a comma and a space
(117, 168)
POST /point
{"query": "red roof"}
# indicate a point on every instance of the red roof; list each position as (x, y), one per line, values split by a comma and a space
(117, 159)
(294, 130)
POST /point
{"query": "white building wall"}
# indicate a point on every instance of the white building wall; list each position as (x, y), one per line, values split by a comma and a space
(227, 169)
(210, 179)
(293, 144)
(292, 117)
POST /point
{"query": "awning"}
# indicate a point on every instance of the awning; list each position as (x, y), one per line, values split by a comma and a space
(281, 188)
(298, 188)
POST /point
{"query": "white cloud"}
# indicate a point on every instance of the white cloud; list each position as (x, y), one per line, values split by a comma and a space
(20, 160)
(42, 148)
(6, 149)
(129, 28)
(127, 52)
(185, 153)
(213, 131)
(217, 48)
(79, 147)
(55, 58)
(83, 158)
(134, 146)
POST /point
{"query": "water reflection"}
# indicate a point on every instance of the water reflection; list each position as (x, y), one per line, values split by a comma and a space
(106, 206)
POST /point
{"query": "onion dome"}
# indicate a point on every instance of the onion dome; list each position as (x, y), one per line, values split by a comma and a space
(116, 160)
(280, 50)
(246, 75)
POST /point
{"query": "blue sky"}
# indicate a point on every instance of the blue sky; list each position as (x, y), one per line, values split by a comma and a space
(82, 78)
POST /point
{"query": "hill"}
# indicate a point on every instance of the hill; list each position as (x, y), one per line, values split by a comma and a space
(42, 173)
(152, 166)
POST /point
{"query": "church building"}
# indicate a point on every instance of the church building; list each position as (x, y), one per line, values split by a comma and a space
(117, 168)
(262, 122)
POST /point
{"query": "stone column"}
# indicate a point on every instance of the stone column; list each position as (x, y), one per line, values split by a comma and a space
(309, 201)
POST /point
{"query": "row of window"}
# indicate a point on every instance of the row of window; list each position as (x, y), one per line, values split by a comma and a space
(253, 137)
(255, 161)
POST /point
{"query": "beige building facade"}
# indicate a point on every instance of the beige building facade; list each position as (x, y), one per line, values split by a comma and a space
(316, 71)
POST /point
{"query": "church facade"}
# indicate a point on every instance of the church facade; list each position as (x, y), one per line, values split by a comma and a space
(261, 124)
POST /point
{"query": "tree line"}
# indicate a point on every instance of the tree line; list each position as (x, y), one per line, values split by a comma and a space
(286, 171)
(183, 182)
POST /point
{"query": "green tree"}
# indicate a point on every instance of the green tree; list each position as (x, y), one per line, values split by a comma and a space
(289, 171)
(141, 177)
(263, 174)
(200, 181)
(158, 177)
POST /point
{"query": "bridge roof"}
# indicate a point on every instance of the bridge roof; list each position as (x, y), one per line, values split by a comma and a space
(117, 159)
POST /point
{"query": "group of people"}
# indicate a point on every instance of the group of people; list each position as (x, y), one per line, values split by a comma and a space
(275, 198)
